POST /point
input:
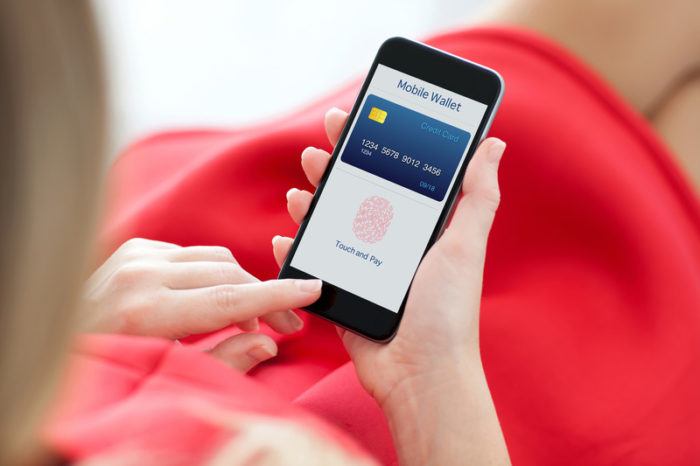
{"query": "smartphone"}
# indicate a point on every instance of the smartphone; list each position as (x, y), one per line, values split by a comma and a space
(391, 183)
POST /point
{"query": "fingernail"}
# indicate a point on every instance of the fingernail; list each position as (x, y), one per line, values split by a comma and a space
(275, 238)
(290, 192)
(496, 150)
(261, 353)
(295, 321)
(308, 286)
(250, 326)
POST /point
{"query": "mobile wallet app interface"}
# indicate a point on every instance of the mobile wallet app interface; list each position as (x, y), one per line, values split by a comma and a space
(385, 193)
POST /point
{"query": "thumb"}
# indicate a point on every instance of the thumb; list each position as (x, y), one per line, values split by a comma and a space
(468, 232)
(245, 350)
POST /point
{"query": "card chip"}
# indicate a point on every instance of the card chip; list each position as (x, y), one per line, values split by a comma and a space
(378, 115)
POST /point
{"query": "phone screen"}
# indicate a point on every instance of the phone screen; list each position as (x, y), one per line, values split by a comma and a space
(387, 188)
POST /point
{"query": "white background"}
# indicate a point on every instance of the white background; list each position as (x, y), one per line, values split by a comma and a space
(174, 63)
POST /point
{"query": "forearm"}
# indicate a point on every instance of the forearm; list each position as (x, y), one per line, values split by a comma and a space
(447, 418)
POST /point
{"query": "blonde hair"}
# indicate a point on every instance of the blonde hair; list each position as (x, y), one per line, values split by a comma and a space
(51, 138)
(268, 441)
(257, 440)
(51, 133)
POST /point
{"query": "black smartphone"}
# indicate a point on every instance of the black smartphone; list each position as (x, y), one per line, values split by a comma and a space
(391, 184)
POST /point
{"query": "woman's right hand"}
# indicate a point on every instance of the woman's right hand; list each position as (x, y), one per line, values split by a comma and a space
(153, 288)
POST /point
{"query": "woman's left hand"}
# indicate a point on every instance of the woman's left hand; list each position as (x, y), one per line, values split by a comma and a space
(161, 289)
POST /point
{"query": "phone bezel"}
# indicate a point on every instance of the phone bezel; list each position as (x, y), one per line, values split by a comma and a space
(469, 79)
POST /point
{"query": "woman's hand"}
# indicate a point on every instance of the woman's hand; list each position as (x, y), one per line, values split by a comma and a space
(160, 289)
(429, 379)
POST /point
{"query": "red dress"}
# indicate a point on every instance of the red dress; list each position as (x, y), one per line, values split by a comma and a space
(590, 323)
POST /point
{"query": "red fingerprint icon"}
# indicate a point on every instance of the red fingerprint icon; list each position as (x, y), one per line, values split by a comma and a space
(372, 219)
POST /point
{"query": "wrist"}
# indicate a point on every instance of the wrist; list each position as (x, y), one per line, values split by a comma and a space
(445, 416)
(442, 380)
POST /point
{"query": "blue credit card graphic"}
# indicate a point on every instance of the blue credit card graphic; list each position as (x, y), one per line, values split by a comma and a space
(405, 147)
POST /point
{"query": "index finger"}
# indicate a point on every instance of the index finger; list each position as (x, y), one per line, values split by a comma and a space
(335, 121)
(206, 309)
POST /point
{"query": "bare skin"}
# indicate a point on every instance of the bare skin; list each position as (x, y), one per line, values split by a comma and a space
(648, 50)
(429, 380)
(678, 122)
